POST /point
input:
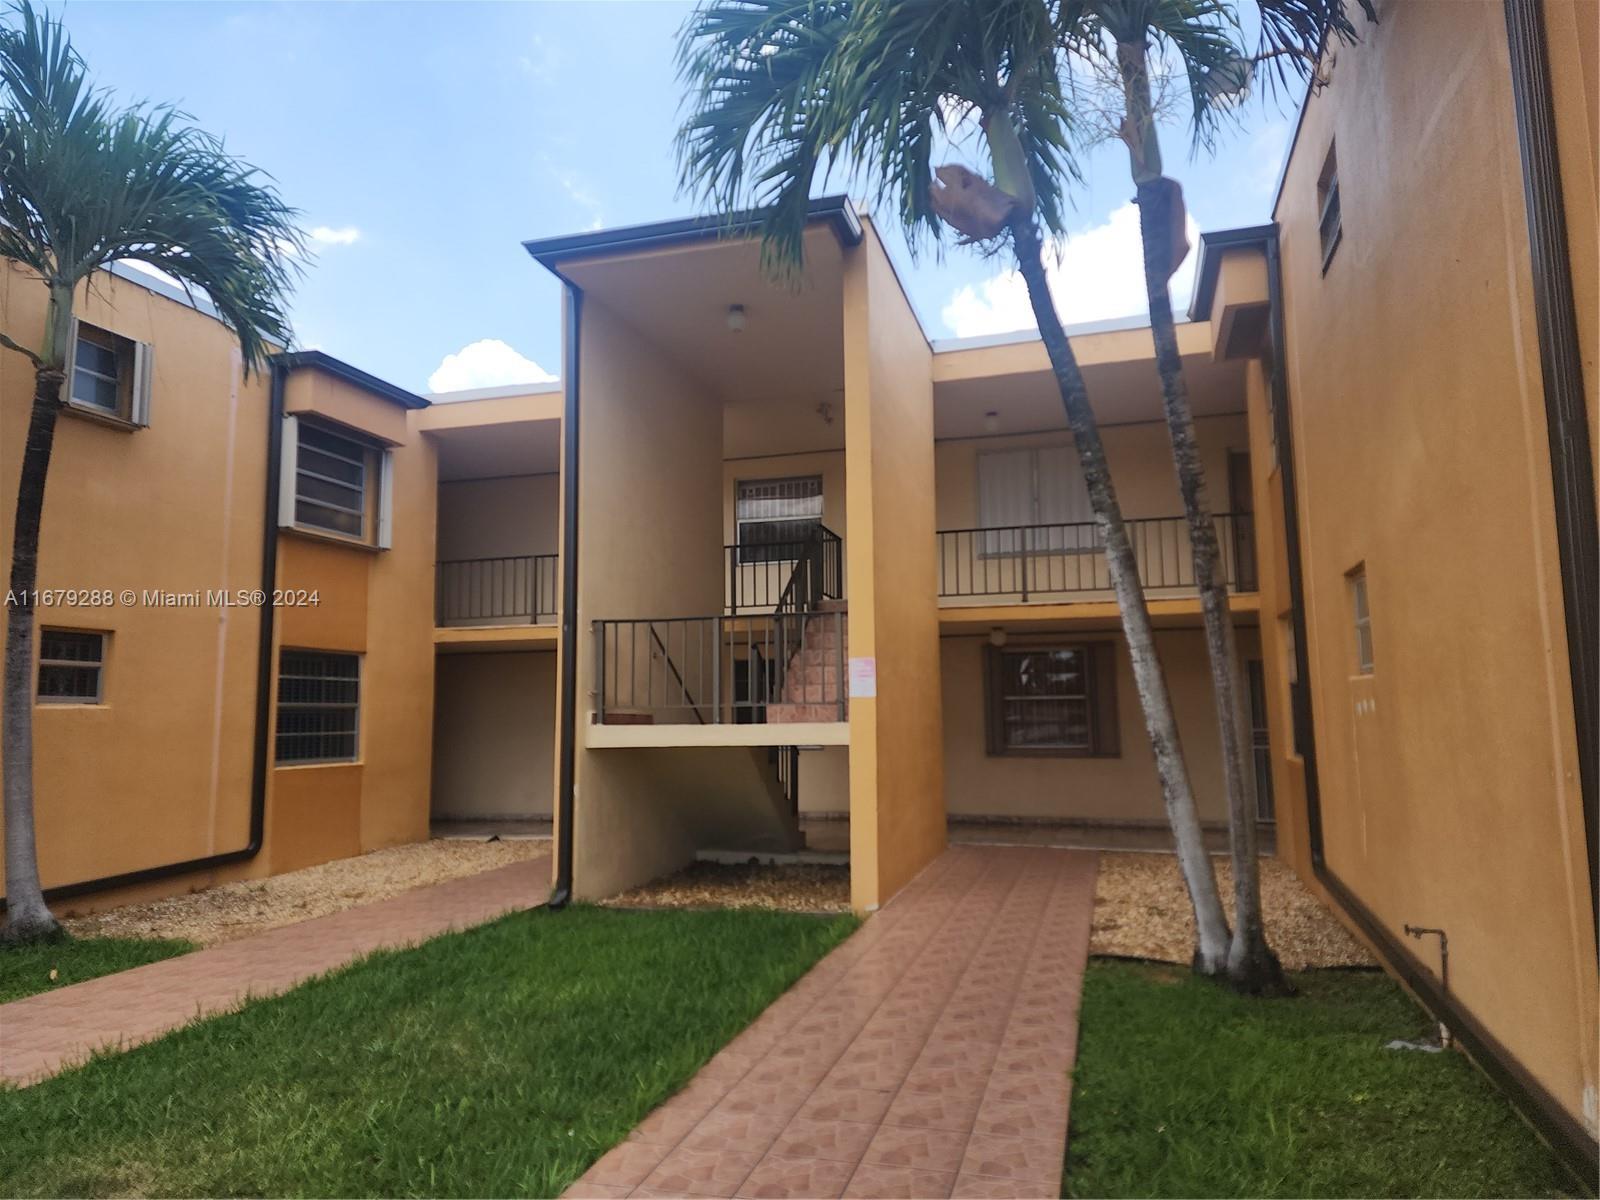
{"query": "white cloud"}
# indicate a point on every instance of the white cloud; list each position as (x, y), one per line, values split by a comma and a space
(327, 235)
(486, 363)
(1094, 276)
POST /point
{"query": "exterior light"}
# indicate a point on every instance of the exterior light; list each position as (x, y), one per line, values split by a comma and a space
(997, 637)
(991, 421)
(736, 318)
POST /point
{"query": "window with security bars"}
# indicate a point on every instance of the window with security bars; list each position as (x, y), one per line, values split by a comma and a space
(333, 484)
(319, 706)
(775, 516)
(1053, 700)
(70, 666)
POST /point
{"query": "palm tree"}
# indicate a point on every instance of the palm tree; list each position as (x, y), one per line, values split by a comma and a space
(84, 184)
(784, 90)
(1205, 40)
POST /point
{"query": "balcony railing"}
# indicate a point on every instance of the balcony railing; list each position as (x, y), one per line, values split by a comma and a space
(720, 670)
(496, 591)
(1040, 562)
(766, 576)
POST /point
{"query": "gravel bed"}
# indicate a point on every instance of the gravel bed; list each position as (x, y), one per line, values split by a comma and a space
(235, 910)
(1141, 910)
(794, 887)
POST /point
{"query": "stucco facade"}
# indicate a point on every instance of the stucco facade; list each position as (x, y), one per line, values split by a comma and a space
(561, 604)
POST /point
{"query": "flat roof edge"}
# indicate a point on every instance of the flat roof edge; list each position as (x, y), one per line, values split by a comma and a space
(1206, 266)
(316, 359)
(837, 211)
(504, 391)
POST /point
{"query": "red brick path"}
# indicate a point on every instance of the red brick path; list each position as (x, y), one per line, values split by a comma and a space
(927, 1056)
(42, 1034)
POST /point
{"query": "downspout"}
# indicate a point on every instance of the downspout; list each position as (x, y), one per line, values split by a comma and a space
(259, 759)
(561, 895)
(1283, 430)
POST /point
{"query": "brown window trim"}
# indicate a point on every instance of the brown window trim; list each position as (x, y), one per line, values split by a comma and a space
(1101, 663)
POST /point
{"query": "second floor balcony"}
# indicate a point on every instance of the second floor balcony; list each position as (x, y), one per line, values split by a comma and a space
(1066, 562)
(515, 590)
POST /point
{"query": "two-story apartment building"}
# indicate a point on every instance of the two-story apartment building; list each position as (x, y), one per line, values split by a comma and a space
(771, 551)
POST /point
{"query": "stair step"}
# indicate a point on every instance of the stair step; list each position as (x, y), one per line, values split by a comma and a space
(789, 713)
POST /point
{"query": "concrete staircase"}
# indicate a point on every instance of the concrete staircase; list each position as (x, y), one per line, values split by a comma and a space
(813, 682)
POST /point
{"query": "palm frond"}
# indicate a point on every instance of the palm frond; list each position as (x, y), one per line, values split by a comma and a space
(1294, 32)
(84, 184)
(782, 93)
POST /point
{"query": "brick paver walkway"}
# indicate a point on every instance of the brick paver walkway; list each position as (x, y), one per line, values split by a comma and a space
(42, 1034)
(927, 1056)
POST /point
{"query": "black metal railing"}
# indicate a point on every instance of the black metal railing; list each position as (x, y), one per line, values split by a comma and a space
(761, 576)
(720, 670)
(1039, 562)
(496, 591)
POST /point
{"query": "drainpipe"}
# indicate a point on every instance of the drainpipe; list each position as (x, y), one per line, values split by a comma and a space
(561, 895)
(1419, 932)
(259, 757)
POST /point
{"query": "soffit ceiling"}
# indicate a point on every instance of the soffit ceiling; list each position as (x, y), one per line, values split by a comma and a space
(792, 347)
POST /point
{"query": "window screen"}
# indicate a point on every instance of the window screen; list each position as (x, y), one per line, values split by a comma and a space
(331, 481)
(319, 706)
(776, 516)
(70, 664)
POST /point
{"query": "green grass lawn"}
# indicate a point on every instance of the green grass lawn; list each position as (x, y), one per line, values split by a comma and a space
(1184, 1089)
(25, 970)
(496, 1062)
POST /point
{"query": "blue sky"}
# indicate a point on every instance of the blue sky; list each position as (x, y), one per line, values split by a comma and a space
(423, 142)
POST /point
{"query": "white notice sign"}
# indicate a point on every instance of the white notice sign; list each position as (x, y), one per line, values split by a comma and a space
(863, 677)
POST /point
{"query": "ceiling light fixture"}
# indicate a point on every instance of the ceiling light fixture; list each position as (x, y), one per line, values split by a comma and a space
(991, 421)
(736, 318)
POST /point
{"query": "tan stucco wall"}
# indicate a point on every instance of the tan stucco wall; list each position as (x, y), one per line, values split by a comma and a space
(1449, 776)
(896, 780)
(651, 530)
(378, 604)
(495, 518)
(1119, 789)
(161, 771)
(493, 735)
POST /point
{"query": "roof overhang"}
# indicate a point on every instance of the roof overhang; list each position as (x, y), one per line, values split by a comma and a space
(355, 376)
(1209, 261)
(836, 211)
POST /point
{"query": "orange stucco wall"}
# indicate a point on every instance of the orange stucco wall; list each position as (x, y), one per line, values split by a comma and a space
(896, 773)
(160, 772)
(1448, 775)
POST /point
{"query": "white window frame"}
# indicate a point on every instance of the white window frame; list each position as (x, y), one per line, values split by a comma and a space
(1005, 539)
(98, 665)
(133, 395)
(377, 487)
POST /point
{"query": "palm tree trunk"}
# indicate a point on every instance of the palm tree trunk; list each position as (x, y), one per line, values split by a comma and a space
(1211, 925)
(1252, 966)
(27, 916)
